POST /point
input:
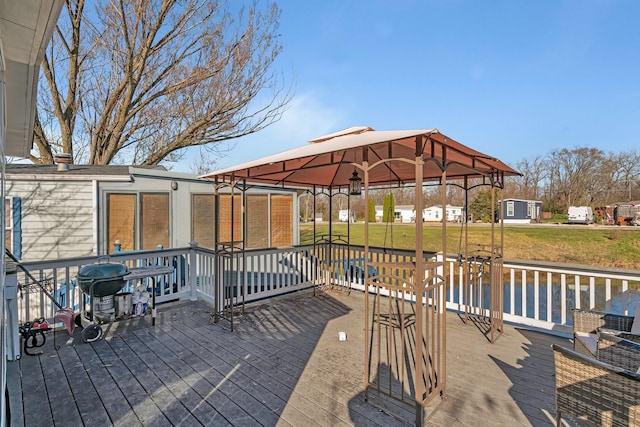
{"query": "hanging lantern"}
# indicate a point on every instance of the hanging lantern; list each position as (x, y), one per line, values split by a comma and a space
(355, 184)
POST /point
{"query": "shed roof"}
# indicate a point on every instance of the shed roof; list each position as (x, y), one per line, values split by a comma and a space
(328, 161)
(78, 170)
(99, 172)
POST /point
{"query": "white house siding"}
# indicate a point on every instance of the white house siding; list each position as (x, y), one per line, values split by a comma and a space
(63, 214)
(454, 213)
(406, 214)
(56, 218)
(402, 213)
(432, 213)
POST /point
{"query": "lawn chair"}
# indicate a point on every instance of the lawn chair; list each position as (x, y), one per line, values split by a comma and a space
(617, 351)
(596, 391)
(587, 323)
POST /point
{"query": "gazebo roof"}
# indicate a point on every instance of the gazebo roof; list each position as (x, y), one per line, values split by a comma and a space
(329, 161)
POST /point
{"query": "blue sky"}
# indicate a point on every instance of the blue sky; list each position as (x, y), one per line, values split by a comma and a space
(513, 79)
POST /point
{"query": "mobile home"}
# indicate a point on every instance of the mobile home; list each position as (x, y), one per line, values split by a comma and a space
(84, 210)
(434, 213)
(521, 211)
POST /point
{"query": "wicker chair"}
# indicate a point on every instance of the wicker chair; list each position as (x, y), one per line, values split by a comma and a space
(596, 391)
(617, 351)
(587, 323)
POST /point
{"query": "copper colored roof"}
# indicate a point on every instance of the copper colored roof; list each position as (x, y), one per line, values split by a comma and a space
(329, 161)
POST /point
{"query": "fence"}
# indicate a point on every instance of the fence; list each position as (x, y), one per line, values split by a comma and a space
(535, 294)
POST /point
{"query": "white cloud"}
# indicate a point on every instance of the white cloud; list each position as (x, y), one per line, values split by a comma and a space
(306, 118)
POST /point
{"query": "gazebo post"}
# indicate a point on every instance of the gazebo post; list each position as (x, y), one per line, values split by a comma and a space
(418, 283)
(329, 244)
(216, 242)
(315, 246)
(348, 257)
(244, 228)
(232, 272)
(442, 341)
(367, 339)
(496, 271)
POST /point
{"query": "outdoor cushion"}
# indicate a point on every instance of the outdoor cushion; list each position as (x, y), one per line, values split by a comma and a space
(589, 340)
(635, 326)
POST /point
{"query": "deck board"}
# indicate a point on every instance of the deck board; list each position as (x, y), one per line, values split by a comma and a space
(87, 400)
(282, 365)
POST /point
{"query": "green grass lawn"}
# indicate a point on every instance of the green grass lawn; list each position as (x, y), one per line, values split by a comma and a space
(599, 246)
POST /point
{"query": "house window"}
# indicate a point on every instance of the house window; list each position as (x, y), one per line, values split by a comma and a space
(225, 219)
(203, 226)
(154, 221)
(8, 225)
(269, 220)
(12, 225)
(257, 232)
(511, 208)
(138, 221)
(281, 220)
(121, 221)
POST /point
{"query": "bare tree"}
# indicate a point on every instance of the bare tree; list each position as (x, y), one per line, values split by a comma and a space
(628, 174)
(140, 81)
(572, 173)
(534, 172)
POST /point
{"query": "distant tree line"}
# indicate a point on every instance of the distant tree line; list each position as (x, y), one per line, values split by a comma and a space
(575, 177)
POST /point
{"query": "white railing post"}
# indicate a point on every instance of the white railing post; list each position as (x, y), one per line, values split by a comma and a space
(193, 271)
(12, 337)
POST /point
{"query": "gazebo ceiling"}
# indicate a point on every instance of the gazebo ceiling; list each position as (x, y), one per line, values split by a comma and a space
(328, 161)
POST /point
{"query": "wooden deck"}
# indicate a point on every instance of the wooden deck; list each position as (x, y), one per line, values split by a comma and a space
(282, 365)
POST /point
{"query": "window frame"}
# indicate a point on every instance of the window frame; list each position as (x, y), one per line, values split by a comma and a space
(108, 246)
(192, 226)
(13, 225)
(8, 224)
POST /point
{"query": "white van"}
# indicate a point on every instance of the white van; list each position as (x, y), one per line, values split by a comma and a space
(580, 215)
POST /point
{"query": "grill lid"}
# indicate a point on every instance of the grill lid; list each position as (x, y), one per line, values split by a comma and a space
(103, 271)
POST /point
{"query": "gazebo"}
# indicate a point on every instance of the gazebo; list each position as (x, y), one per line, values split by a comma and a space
(405, 333)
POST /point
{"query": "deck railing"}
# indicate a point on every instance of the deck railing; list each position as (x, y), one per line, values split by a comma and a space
(535, 294)
(58, 278)
(254, 275)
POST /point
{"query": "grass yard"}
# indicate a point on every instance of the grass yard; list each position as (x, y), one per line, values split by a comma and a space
(588, 245)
